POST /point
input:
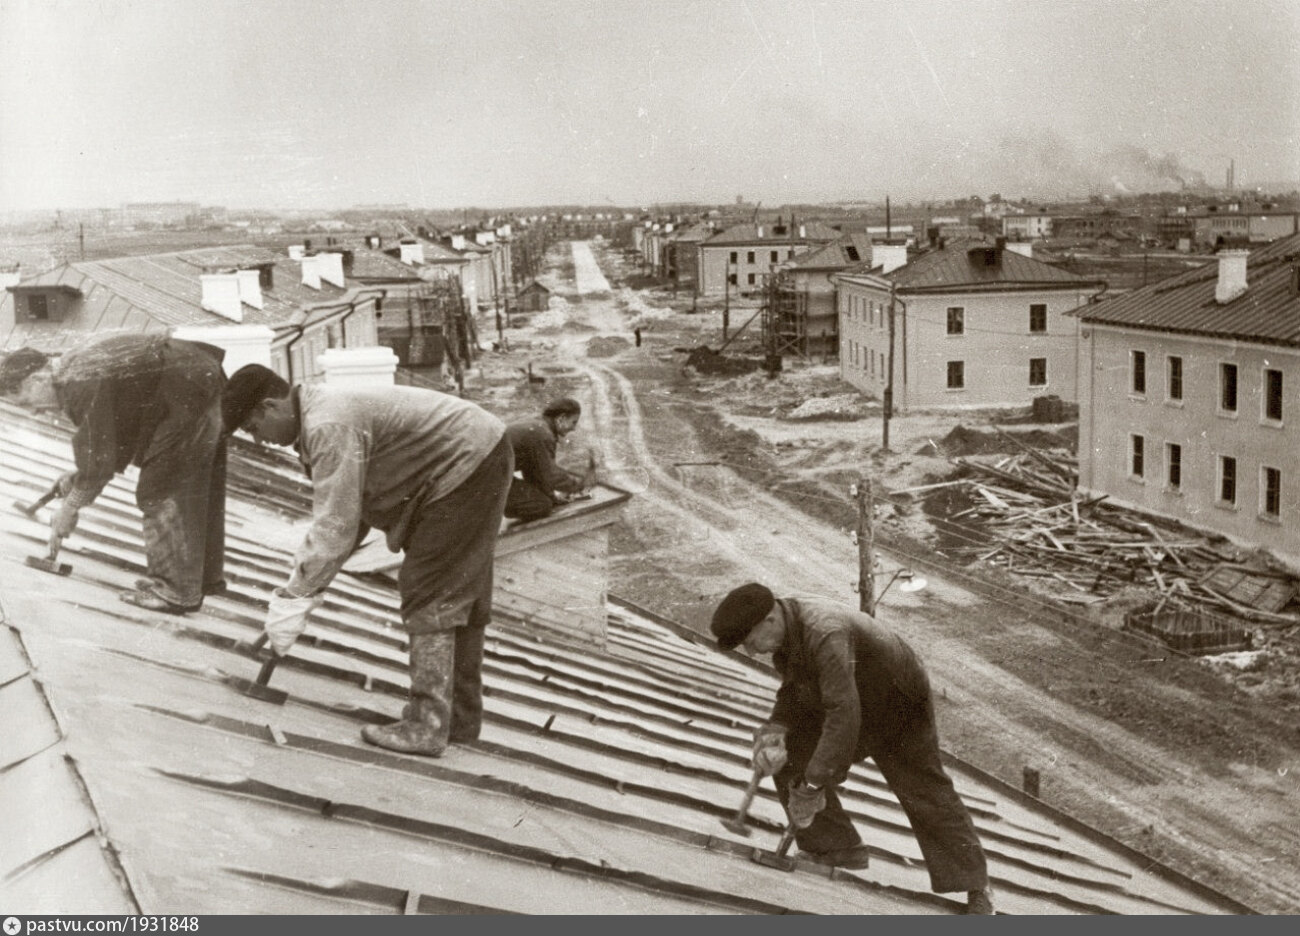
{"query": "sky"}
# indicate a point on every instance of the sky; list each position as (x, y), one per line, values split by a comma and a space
(500, 103)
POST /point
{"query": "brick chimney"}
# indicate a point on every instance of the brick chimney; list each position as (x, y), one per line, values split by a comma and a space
(220, 294)
(1232, 275)
(243, 344)
(359, 367)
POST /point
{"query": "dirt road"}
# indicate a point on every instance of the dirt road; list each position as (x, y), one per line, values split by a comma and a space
(1152, 750)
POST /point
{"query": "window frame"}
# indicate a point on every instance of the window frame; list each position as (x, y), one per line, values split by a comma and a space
(1137, 372)
(1040, 361)
(1270, 496)
(1174, 466)
(1268, 396)
(959, 319)
(1034, 309)
(1174, 378)
(749, 257)
(959, 372)
(1224, 497)
(1226, 386)
(1137, 457)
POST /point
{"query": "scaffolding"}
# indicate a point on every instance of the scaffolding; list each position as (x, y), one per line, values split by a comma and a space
(785, 318)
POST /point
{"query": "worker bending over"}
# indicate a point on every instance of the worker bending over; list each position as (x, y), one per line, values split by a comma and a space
(154, 402)
(430, 470)
(540, 484)
(850, 690)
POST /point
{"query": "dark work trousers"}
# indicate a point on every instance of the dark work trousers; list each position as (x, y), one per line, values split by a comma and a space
(445, 581)
(182, 485)
(527, 501)
(914, 771)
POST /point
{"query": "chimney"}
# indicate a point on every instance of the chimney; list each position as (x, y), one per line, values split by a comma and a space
(1232, 275)
(760, 230)
(329, 267)
(10, 277)
(310, 271)
(243, 344)
(413, 253)
(888, 257)
(297, 251)
(359, 367)
(221, 295)
(250, 288)
(803, 231)
(375, 242)
(458, 240)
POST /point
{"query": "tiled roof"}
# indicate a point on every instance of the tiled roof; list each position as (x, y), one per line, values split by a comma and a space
(740, 234)
(135, 777)
(1269, 309)
(953, 267)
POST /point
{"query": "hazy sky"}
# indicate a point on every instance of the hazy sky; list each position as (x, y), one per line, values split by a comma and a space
(302, 103)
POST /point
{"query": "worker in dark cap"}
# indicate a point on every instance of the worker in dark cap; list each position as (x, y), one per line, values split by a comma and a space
(429, 469)
(155, 402)
(850, 690)
(540, 484)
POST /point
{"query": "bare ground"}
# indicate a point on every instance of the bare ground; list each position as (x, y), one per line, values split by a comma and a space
(740, 477)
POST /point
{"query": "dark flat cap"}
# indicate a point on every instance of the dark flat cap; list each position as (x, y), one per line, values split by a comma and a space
(562, 406)
(246, 388)
(17, 366)
(739, 612)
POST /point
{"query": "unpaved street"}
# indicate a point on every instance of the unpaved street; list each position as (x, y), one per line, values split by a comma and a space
(1152, 750)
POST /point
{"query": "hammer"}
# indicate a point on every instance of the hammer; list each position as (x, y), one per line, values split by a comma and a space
(258, 688)
(51, 562)
(737, 822)
(30, 509)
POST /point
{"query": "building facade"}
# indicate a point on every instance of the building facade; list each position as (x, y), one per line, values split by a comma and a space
(1188, 404)
(740, 259)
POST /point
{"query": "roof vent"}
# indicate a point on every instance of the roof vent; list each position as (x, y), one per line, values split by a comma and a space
(1232, 275)
(221, 295)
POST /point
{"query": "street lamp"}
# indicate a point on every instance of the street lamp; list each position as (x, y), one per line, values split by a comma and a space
(908, 581)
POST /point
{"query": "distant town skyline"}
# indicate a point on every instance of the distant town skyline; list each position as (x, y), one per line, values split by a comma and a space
(299, 104)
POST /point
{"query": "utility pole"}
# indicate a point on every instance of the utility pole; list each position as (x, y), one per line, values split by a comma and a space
(887, 411)
(726, 305)
(865, 537)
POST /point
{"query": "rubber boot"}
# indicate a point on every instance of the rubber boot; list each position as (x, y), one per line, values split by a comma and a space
(426, 720)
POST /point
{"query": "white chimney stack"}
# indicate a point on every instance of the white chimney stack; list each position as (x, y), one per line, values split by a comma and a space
(413, 254)
(10, 277)
(458, 241)
(221, 295)
(329, 267)
(297, 251)
(803, 231)
(1024, 248)
(1232, 275)
(888, 257)
(250, 288)
(243, 344)
(359, 367)
(310, 271)
(760, 230)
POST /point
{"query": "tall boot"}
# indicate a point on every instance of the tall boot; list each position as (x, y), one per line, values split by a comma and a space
(427, 719)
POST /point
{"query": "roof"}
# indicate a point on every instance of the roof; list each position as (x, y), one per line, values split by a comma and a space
(743, 234)
(135, 778)
(371, 264)
(1268, 311)
(848, 250)
(535, 285)
(955, 268)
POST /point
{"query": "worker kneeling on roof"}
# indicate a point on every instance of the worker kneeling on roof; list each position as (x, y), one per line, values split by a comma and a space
(432, 471)
(154, 402)
(850, 690)
(540, 484)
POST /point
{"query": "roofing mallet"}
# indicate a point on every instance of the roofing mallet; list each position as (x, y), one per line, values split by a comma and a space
(258, 688)
(30, 509)
(51, 562)
(737, 822)
(778, 858)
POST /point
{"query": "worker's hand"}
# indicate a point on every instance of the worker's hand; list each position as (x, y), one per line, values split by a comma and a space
(589, 476)
(286, 619)
(769, 748)
(65, 483)
(805, 803)
(62, 524)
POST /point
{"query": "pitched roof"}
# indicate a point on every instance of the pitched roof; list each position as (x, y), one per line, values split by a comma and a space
(1268, 311)
(961, 266)
(135, 776)
(743, 234)
(848, 250)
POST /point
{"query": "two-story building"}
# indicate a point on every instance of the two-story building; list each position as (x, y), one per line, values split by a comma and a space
(967, 325)
(740, 258)
(1188, 403)
(1215, 228)
(1027, 226)
(305, 300)
(802, 309)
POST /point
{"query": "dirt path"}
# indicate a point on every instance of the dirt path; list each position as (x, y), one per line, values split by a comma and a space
(1089, 709)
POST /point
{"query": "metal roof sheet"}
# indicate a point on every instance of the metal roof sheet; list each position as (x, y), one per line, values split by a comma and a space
(1268, 311)
(952, 267)
(597, 787)
(742, 234)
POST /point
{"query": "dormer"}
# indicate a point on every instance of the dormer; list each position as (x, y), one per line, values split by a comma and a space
(44, 303)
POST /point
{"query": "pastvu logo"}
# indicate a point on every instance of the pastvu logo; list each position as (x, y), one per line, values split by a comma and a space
(12, 926)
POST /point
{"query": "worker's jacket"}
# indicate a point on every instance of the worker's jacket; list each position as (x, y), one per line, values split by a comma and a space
(850, 679)
(375, 458)
(109, 388)
(534, 442)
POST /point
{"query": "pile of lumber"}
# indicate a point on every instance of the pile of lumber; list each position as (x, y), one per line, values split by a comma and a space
(1033, 523)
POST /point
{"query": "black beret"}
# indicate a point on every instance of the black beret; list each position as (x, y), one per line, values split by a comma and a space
(18, 366)
(246, 388)
(739, 612)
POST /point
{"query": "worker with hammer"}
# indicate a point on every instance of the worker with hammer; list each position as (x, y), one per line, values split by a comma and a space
(540, 484)
(155, 402)
(430, 470)
(851, 689)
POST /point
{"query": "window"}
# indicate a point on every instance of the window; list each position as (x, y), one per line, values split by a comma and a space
(1271, 492)
(1139, 368)
(1175, 378)
(731, 278)
(735, 256)
(789, 255)
(1273, 395)
(1228, 388)
(1138, 451)
(1038, 372)
(38, 309)
(1227, 479)
(956, 320)
(1174, 459)
(749, 257)
(1038, 317)
(750, 279)
(956, 375)
(774, 256)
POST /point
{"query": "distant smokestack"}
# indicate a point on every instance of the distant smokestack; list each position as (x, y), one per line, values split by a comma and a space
(1232, 275)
